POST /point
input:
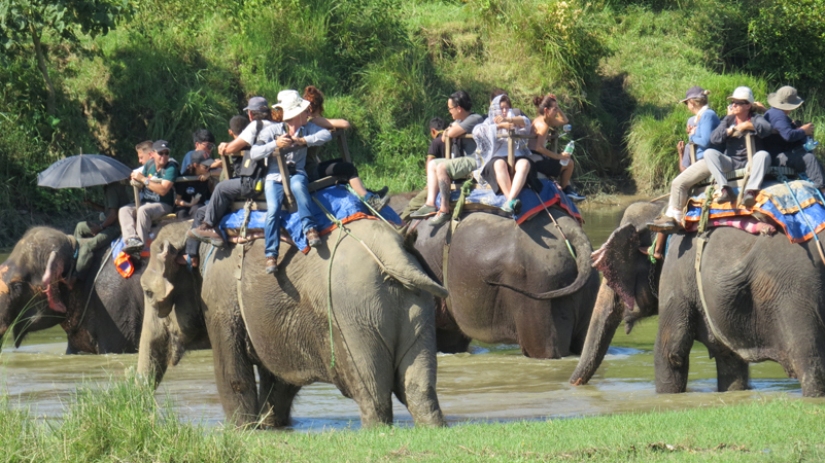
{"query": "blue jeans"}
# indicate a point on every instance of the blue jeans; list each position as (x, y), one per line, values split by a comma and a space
(274, 192)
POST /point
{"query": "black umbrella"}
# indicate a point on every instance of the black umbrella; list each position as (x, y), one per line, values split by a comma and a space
(83, 170)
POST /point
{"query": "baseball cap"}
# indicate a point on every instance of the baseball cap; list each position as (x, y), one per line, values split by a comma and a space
(693, 93)
(160, 145)
(257, 103)
(742, 94)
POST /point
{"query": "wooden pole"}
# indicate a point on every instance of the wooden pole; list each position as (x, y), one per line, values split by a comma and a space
(285, 179)
(749, 146)
(692, 150)
(448, 146)
(511, 152)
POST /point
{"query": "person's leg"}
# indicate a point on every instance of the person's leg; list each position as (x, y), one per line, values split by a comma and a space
(432, 181)
(193, 245)
(813, 170)
(502, 176)
(443, 183)
(126, 217)
(274, 192)
(300, 190)
(680, 188)
(145, 214)
(222, 197)
(718, 164)
(566, 174)
(759, 167)
(519, 179)
(417, 202)
(358, 187)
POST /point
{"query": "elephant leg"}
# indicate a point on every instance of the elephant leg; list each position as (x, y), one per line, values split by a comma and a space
(542, 336)
(234, 372)
(415, 386)
(451, 342)
(369, 371)
(671, 357)
(276, 397)
(732, 373)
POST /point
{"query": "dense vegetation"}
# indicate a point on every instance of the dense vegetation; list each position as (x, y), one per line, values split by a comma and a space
(122, 422)
(169, 67)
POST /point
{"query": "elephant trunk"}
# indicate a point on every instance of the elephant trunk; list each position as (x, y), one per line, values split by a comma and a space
(606, 317)
(154, 350)
(582, 247)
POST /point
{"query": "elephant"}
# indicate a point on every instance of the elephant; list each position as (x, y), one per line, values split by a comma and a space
(763, 300)
(365, 291)
(100, 315)
(512, 283)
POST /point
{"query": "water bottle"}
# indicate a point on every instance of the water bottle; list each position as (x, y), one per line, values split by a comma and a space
(568, 150)
(566, 128)
(810, 144)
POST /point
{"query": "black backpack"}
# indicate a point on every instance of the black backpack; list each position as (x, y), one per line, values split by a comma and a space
(250, 171)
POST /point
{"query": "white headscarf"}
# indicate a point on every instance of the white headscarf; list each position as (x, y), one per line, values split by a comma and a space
(485, 134)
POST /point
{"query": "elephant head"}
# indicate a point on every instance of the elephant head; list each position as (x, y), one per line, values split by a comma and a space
(629, 287)
(158, 280)
(30, 282)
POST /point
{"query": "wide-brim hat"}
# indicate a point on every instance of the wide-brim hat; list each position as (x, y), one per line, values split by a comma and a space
(785, 98)
(742, 94)
(693, 93)
(291, 103)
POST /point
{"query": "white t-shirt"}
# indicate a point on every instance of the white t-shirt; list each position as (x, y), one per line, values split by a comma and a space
(248, 133)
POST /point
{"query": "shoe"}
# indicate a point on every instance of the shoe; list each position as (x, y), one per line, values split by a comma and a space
(382, 192)
(664, 224)
(749, 200)
(440, 217)
(424, 212)
(313, 239)
(377, 202)
(271, 265)
(573, 194)
(133, 245)
(512, 206)
(206, 234)
(725, 195)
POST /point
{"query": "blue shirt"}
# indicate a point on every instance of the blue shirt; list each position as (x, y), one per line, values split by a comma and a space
(708, 120)
(785, 136)
(314, 136)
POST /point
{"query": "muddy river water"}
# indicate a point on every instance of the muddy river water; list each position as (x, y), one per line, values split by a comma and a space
(492, 383)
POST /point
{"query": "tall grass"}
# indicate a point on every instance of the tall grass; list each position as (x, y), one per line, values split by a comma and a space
(121, 421)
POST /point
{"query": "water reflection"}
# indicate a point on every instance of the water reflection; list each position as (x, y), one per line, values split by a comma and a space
(492, 383)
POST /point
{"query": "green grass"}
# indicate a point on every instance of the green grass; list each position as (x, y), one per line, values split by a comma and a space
(120, 421)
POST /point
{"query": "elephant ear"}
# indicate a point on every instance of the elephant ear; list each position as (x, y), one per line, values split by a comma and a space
(51, 280)
(616, 259)
(166, 257)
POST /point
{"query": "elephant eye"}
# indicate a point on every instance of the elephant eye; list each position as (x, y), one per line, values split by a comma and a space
(149, 294)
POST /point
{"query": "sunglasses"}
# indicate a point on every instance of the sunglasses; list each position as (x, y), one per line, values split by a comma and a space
(163, 153)
(740, 103)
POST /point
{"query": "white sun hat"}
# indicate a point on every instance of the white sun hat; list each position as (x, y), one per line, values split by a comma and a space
(291, 103)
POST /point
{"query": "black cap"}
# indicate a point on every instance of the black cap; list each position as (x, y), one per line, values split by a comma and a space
(201, 157)
(160, 145)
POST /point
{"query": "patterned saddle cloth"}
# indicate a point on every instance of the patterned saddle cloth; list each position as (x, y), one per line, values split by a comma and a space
(797, 208)
(531, 202)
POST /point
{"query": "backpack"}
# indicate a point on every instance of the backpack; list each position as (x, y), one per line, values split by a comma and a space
(250, 171)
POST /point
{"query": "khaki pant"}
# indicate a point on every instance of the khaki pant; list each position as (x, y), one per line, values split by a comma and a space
(137, 225)
(680, 188)
(415, 204)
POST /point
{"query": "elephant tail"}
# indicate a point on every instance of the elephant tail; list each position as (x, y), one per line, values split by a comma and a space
(583, 266)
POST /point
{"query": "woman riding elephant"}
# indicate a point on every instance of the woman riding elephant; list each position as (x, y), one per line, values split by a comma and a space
(101, 314)
(355, 314)
(750, 306)
(512, 283)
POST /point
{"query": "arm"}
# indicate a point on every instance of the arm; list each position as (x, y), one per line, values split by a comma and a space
(329, 124)
(233, 148)
(761, 126)
(454, 130)
(701, 135)
(719, 136)
(783, 126)
(316, 136)
(557, 117)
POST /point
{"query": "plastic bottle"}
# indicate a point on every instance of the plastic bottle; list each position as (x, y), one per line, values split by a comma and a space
(568, 150)
(810, 144)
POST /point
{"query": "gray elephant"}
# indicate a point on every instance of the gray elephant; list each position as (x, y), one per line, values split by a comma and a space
(371, 299)
(100, 316)
(512, 283)
(763, 298)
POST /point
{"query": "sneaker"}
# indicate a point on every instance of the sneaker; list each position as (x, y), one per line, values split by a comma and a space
(206, 234)
(377, 202)
(440, 217)
(725, 195)
(749, 200)
(664, 224)
(382, 192)
(573, 194)
(271, 265)
(512, 206)
(133, 245)
(424, 212)
(313, 239)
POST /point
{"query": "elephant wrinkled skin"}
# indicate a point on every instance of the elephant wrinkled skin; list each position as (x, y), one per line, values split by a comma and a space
(764, 300)
(382, 317)
(512, 283)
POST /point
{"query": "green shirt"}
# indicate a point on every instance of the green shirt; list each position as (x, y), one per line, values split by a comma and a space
(116, 196)
(170, 172)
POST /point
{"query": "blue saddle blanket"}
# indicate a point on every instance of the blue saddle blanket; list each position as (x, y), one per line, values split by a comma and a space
(531, 203)
(342, 204)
